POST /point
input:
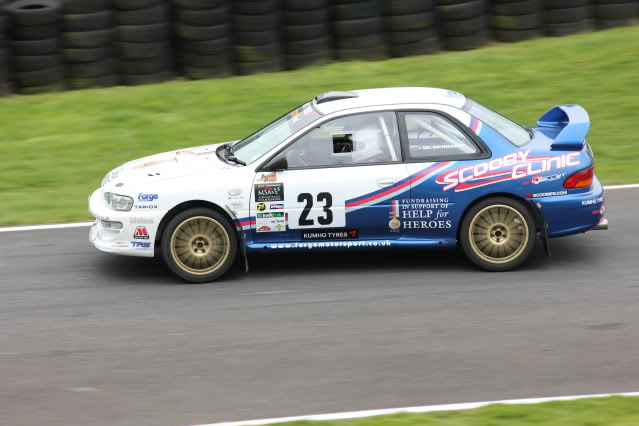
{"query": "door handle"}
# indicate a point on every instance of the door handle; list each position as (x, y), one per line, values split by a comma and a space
(382, 182)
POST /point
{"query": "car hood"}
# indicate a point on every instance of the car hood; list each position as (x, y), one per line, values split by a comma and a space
(166, 165)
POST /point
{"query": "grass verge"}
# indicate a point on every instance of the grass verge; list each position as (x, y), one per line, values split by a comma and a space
(55, 148)
(611, 411)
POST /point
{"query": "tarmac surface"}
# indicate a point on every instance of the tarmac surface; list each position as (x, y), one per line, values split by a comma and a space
(92, 338)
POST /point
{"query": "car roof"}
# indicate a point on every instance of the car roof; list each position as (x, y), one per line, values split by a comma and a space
(330, 102)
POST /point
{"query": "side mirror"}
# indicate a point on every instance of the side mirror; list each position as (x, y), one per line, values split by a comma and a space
(277, 164)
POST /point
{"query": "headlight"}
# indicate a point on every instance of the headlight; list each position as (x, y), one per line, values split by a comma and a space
(118, 202)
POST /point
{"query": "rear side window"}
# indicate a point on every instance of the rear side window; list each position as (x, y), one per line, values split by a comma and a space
(431, 136)
(513, 132)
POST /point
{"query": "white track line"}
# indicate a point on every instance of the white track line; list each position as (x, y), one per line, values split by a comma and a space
(423, 409)
(79, 224)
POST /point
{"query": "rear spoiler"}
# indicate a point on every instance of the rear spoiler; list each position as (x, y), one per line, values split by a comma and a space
(574, 123)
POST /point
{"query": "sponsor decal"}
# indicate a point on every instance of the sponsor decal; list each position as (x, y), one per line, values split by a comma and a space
(140, 220)
(100, 217)
(516, 165)
(394, 223)
(349, 234)
(151, 163)
(547, 194)
(591, 202)
(260, 207)
(541, 179)
(264, 228)
(270, 215)
(236, 205)
(141, 233)
(280, 227)
(119, 245)
(321, 244)
(111, 176)
(268, 177)
(147, 197)
(146, 207)
(278, 206)
(139, 244)
(425, 213)
(266, 192)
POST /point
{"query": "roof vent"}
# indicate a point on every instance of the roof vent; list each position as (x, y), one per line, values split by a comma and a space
(334, 96)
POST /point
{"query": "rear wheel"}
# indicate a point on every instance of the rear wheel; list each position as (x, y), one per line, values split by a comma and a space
(498, 234)
(199, 245)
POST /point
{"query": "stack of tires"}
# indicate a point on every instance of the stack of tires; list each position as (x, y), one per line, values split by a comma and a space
(516, 20)
(615, 13)
(143, 33)
(256, 36)
(410, 27)
(306, 33)
(565, 17)
(5, 87)
(35, 32)
(88, 55)
(203, 40)
(359, 29)
(462, 23)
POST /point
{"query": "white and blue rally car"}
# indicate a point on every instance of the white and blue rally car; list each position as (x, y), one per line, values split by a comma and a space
(375, 168)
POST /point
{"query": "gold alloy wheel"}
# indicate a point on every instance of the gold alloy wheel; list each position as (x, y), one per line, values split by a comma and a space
(498, 234)
(200, 245)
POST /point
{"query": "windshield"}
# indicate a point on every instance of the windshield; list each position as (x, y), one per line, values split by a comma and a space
(512, 131)
(264, 140)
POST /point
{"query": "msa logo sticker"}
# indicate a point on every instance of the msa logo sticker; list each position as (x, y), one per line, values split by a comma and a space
(266, 192)
(141, 233)
(139, 244)
(147, 197)
(350, 234)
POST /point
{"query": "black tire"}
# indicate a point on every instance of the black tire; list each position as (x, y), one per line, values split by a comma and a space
(199, 4)
(5, 88)
(517, 22)
(564, 4)
(456, 12)
(227, 231)
(604, 24)
(193, 32)
(407, 7)
(294, 62)
(260, 7)
(84, 6)
(92, 54)
(525, 7)
(308, 47)
(418, 21)
(205, 47)
(57, 86)
(90, 69)
(39, 77)
(34, 63)
(263, 53)
(142, 50)
(466, 26)
(190, 60)
(135, 4)
(4, 24)
(195, 73)
(497, 240)
(510, 36)
(423, 47)
(616, 11)
(88, 21)
(304, 32)
(558, 30)
(28, 13)
(358, 27)
(140, 79)
(36, 32)
(76, 83)
(204, 17)
(142, 33)
(370, 54)
(248, 68)
(256, 38)
(36, 47)
(304, 4)
(466, 42)
(4, 61)
(306, 17)
(87, 39)
(360, 42)
(151, 15)
(361, 10)
(145, 66)
(415, 36)
(564, 16)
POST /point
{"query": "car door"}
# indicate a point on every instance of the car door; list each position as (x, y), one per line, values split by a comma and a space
(435, 143)
(340, 181)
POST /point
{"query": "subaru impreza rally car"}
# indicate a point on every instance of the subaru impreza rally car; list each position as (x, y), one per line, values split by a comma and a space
(375, 168)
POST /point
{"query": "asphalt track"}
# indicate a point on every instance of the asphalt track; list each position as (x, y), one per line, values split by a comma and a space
(91, 338)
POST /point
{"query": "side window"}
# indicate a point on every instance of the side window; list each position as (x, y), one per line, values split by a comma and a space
(368, 138)
(433, 136)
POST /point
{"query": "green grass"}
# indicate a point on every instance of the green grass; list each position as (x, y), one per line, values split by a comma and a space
(611, 411)
(55, 148)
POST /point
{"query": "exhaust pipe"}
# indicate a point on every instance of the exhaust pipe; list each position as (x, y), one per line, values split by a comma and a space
(601, 226)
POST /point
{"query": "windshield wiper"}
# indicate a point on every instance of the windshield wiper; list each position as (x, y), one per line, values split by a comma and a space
(231, 157)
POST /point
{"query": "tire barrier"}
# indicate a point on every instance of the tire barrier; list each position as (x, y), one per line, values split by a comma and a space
(256, 36)
(410, 27)
(52, 45)
(516, 20)
(358, 26)
(87, 44)
(142, 34)
(35, 35)
(306, 33)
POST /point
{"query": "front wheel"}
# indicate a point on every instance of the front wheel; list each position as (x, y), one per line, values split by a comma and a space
(498, 234)
(199, 245)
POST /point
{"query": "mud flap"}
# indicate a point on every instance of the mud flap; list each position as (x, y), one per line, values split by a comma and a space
(241, 239)
(542, 225)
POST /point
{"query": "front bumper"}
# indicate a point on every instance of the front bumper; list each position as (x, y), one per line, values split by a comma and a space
(129, 240)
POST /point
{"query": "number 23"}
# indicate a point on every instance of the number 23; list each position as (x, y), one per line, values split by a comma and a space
(307, 198)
